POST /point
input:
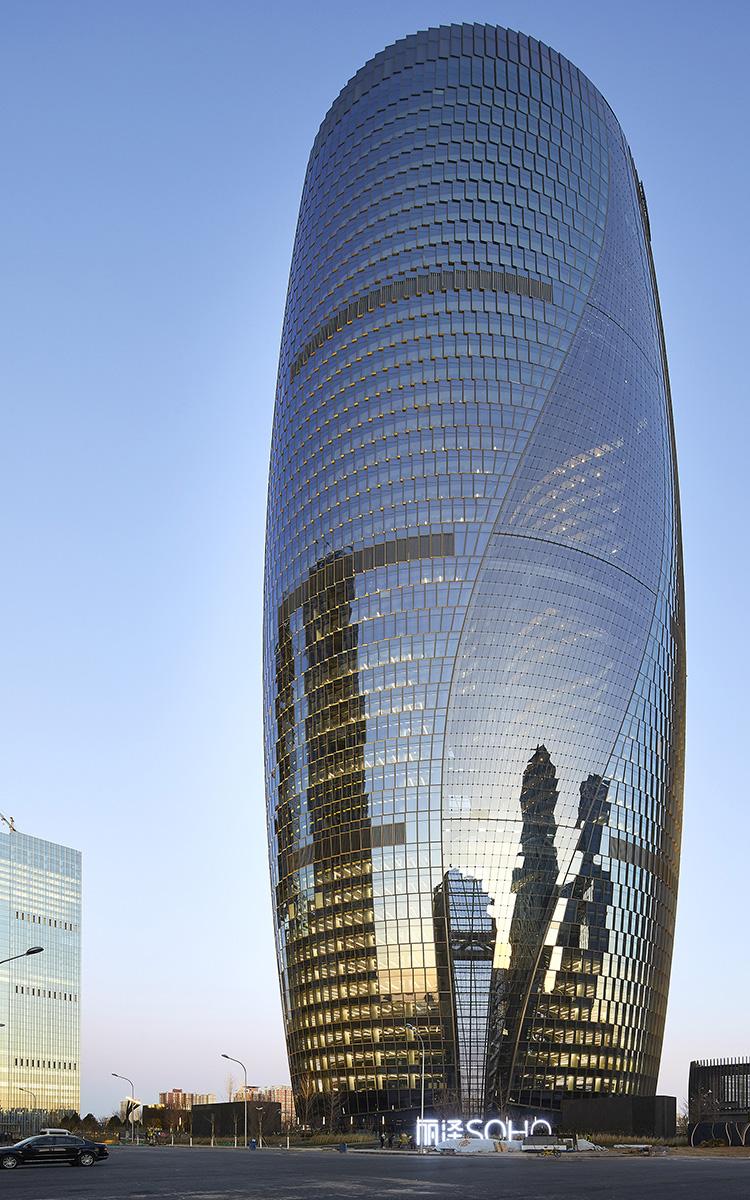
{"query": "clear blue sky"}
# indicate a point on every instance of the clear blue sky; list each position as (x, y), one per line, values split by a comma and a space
(152, 161)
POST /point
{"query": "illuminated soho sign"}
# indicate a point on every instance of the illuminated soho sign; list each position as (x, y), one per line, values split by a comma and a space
(433, 1132)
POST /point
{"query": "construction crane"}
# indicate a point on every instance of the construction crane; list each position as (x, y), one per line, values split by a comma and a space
(9, 821)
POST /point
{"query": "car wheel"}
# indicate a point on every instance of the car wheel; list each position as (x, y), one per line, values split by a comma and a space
(86, 1159)
(9, 1161)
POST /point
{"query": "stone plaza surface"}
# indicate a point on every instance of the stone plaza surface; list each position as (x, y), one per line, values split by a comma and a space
(204, 1174)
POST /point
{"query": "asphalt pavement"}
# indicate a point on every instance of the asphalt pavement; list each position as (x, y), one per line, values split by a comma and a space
(181, 1173)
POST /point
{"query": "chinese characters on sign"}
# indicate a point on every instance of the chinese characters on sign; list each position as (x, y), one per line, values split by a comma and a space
(432, 1132)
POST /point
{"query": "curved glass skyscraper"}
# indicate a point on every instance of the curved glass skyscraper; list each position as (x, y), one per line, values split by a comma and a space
(474, 645)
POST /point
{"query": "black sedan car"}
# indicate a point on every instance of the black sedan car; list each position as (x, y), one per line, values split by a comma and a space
(52, 1148)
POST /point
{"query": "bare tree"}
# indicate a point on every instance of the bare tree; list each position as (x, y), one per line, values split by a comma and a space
(304, 1104)
(333, 1109)
(171, 1118)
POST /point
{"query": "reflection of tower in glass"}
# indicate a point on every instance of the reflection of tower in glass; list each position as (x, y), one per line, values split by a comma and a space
(592, 889)
(571, 996)
(533, 884)
(465, 945)
(323, 832)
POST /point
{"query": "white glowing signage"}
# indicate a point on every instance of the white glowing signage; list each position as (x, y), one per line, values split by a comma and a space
(431, 1132)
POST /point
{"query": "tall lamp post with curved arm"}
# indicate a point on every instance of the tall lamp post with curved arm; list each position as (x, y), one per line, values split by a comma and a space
(32, 1094)
(244, 1071)
(132, 1111)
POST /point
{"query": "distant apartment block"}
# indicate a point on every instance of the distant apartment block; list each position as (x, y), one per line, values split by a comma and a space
(278, 1094)
(282, 1094)
(179, 1099)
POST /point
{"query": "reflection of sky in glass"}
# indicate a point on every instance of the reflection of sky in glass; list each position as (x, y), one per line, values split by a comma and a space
(549, 656)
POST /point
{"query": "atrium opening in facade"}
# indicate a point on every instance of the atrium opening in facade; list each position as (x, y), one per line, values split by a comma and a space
(474, 644)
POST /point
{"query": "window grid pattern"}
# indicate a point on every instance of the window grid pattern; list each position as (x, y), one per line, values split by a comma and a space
(473, 594)
(40, 905)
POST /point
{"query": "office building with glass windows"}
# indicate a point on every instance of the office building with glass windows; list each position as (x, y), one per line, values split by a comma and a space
(474, 660)
(40, 905)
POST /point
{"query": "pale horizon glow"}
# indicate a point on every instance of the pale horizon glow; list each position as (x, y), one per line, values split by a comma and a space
(154, 162)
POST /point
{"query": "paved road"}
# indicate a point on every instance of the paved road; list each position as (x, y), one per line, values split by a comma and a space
(205, 1174)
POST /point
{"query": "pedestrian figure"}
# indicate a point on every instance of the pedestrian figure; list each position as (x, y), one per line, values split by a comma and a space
(382, 1140)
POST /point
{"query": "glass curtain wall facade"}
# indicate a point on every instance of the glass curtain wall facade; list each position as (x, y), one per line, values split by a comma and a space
(40, 905)
(474, 648)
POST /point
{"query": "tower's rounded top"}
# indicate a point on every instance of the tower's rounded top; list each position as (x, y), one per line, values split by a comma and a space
(457, 41)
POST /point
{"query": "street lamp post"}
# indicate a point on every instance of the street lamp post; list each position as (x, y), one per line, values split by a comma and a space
(132, 1111)
(23, 954)
(421, 1042)
(259, 1110)
(244, 1069)
(32, 1094)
